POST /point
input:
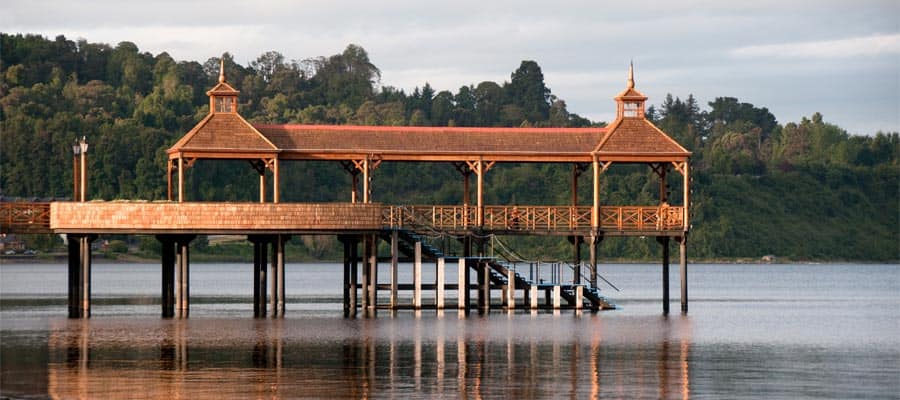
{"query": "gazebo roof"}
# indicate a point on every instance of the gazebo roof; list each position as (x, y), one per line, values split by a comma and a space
(227, 135)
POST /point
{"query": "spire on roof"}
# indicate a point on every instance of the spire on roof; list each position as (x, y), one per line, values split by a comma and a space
(631, 75)
(222, 69)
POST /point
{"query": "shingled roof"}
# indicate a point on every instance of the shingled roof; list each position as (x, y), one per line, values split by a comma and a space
(224, 132)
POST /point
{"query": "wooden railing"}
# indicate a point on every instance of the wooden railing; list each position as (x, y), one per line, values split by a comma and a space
(24, 217)
(536, 218)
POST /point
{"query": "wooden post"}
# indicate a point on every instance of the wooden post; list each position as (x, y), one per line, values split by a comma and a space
(168, 275)
(276, 300)
(276, 193)
(346, 242)
(169, 180)
(262, 183)
(684, 274)
(85, 271)
(83, 180)
(74, 245)
(354, 191)
(484, 287)
(576, 244)
(439, 283)
(479, 216)
(373, 271)
(260, 261)
(366, 192)
(556, 297)
(180, 179)
(687, 198)
(182, 276)
(593, 248)
(533, 297)
(595, 206)
(395, 262)
(510, 288)
(462, 290)
(664, 241)
(417, 276)
(354, 274)
(579, 297)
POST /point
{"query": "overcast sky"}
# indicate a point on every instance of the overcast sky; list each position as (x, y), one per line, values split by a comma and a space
(840, 58)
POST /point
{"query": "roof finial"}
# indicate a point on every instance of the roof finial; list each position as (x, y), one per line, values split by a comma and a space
(222, 69)
(631, 75)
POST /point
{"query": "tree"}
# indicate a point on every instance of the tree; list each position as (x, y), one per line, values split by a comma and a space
(528, 91)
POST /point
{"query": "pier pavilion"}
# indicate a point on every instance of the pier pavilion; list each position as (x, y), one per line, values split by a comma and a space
(361, 222)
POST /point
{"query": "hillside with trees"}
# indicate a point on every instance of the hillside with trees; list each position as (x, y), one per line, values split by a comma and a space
(801, 190)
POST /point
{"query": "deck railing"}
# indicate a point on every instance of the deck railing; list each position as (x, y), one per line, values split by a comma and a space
(25, 217)
(537, 218)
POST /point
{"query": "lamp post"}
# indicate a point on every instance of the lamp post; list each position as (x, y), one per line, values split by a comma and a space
(76, 151)
(84, 148)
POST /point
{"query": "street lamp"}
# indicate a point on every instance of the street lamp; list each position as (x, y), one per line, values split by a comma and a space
(84, 148)
(76, 151)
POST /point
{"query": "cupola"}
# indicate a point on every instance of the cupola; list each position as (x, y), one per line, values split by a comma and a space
(630, 102)
(222, 97)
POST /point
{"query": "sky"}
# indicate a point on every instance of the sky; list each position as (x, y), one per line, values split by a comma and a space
(838, 58)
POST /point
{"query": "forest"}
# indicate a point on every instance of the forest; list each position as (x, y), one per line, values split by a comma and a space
(801, 190)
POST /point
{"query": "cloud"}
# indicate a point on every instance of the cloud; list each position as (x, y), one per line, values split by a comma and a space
(875, 45)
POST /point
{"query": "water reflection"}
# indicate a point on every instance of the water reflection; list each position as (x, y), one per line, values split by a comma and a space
(512, 356)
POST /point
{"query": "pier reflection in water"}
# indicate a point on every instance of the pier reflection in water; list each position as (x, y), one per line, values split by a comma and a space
(511, 356)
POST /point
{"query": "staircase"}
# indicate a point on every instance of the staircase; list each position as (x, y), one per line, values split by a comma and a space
(499, 273)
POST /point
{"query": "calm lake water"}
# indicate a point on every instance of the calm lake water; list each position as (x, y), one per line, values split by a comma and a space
(753, 331)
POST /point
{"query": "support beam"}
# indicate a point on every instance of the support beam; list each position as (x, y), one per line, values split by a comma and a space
(182, 275)
(262, 185)
(595, 242)
(462, 280)
(579, 297)
(366, 177)
(345, 240)
(664, 241)
(510, 288)
(533, 297)
(684, 274)
(276, 297)
(372, 265)
(79, 282)
(180, 179)
(439, 283)
(276, 193)
(556, 295)
(484, 287)
(417, 276)
(595, 205)
(354, 274)
(168, 275)
(260, 264)
(395, 263)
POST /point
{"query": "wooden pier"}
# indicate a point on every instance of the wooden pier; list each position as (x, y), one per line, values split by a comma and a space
(361, 223)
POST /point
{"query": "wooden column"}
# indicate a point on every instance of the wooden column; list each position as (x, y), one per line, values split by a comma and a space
(354, 192)
(354, 274)
(365, 173)
(180, 179)
(687, 196)
(484, 287)
(262, 184)
(168, 275)
(595, 241)
(462, 290)
(395, 263)
(684, 274)
(169, 179)
(79, 282)
(260, 262)
(276, 193)
(345, 240)
(276, 297)
(595, 206)
(74, 284)
(85, 270)
(371, 266)
(182, 275)
(664, 241)
(479, 216)
(439, 283)
(417, 276)
(510, 288)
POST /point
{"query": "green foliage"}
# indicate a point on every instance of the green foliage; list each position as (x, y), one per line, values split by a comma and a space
(802, 190)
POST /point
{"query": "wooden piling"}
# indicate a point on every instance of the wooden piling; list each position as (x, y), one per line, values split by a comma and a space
(462, 289)
(167, 257)
(439, 284)
(417, 276)
(395, 262)
(684, 274)
(664, 241)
